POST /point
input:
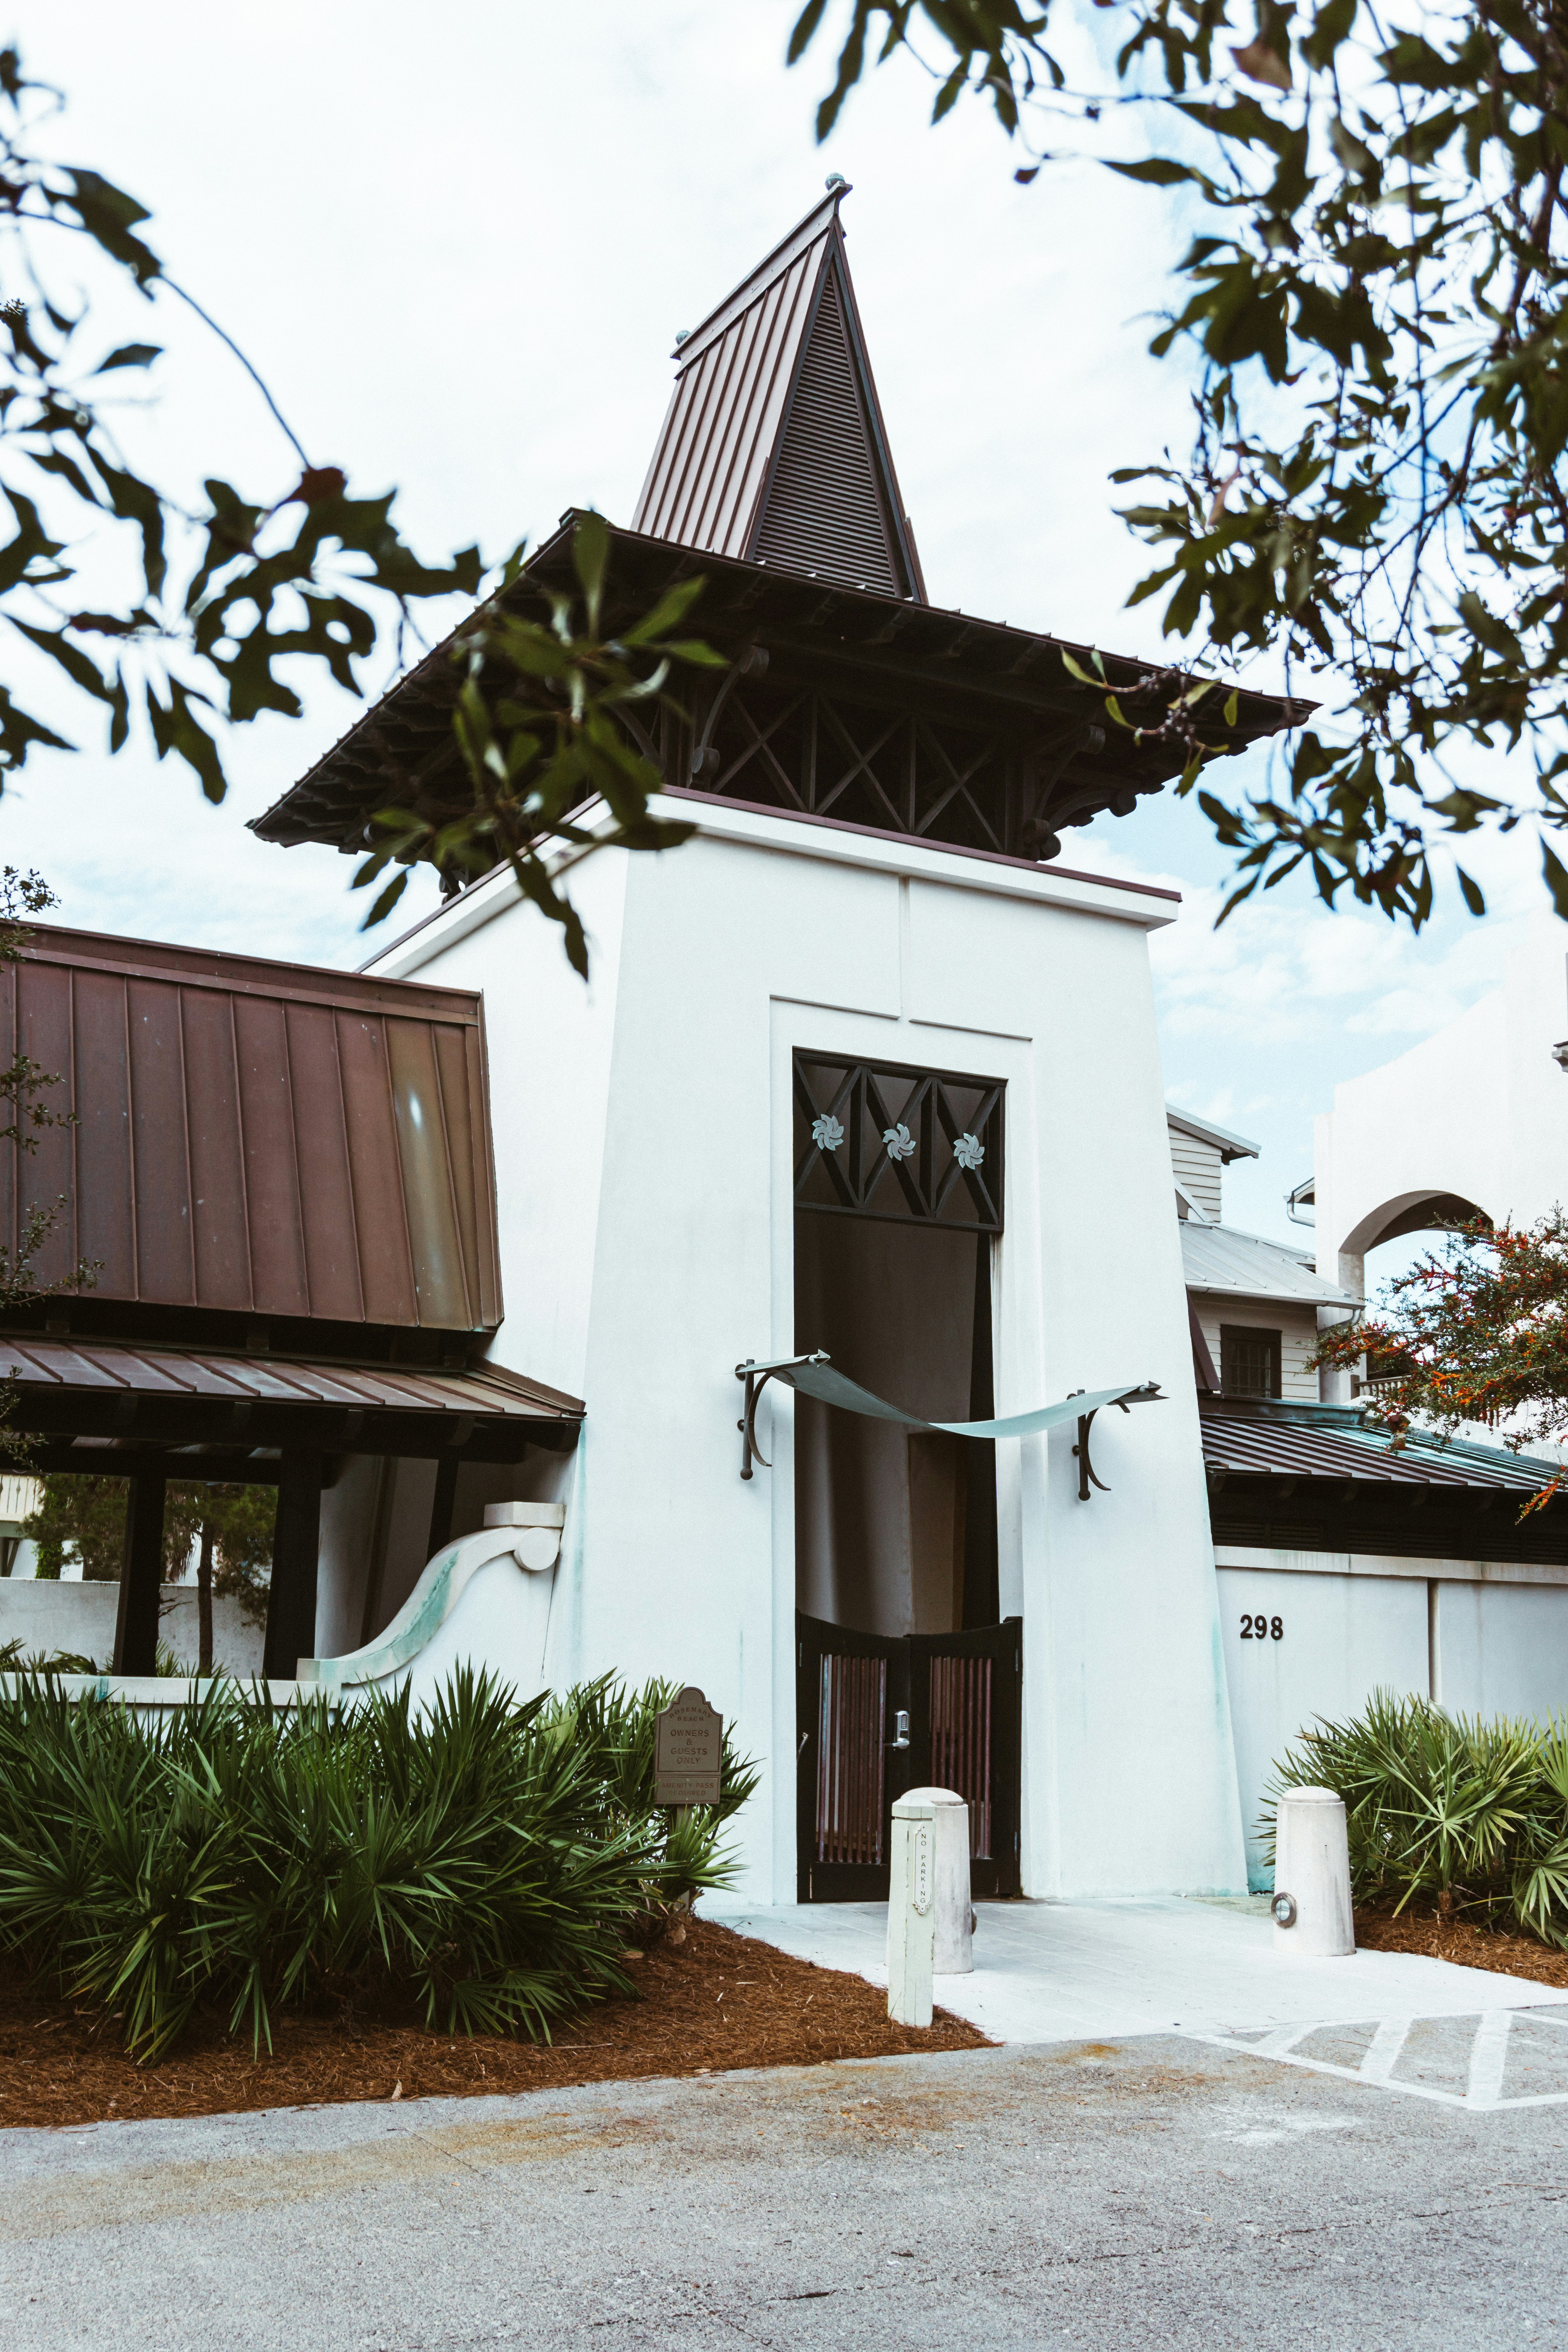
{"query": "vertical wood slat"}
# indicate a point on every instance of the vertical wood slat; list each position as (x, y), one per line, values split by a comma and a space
(849, 1759)
(961, 1740)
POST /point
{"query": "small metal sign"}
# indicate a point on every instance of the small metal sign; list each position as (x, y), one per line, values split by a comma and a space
(689, 1751)
(921, 1864)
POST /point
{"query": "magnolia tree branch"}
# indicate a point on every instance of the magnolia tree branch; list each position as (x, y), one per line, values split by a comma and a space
(1475, 1333)
(1376, 304)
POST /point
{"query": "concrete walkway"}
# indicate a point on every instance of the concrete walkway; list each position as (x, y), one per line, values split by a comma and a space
(1061, 1971)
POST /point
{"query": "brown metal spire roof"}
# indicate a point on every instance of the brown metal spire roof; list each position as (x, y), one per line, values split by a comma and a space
(773, 449)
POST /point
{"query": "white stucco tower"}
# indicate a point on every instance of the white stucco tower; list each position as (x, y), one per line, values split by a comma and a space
(647, 1173)
(862, 1070)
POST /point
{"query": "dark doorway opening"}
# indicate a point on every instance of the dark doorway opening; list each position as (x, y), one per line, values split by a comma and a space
(906, 1675)
(896, 1529)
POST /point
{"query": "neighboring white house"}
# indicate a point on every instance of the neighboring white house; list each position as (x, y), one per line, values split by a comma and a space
(19, 1499)
(1257, 1305)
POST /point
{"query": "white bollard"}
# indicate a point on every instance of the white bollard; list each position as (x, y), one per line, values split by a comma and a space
(911, 1912)
(1311, 1905)
(954, 1949)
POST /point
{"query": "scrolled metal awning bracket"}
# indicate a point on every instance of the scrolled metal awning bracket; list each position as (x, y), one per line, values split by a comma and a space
(1086, 1477)
(756, 1378)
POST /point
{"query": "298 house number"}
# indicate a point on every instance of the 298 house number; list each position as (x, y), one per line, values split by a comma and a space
(1263, 1629)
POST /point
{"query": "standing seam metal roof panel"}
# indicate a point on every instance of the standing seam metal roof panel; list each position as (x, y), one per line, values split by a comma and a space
(772, 448)
(1220, 1261)
(46, 1366)
(257, 1137)
(1239, 1442)
(709, 469)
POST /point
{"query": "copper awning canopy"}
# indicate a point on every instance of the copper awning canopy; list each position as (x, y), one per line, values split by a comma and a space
(107, 1400)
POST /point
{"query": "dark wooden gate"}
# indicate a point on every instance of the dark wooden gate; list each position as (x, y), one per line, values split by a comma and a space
(962, 1695)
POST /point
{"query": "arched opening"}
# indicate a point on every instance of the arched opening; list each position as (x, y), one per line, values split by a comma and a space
(1385, 1244)
(1427, 1212)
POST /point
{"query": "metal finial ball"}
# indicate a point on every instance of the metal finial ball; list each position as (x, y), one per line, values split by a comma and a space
(835, 180)
(682, 335)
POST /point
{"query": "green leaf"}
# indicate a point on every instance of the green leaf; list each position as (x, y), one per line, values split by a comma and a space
(590, 556)
(1156, 171)
(75, 665)
(131, 355)
(1556, 876)
(1471, 892)
(953, 90)
(386, 899)
(1076, 669)
(1487, 630)
(109, 216)
(804, 30)
(671, 607)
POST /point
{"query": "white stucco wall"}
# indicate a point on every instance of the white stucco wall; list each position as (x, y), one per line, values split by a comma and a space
(643, 1145)
(1501, 1649)
(1341, 1638)
(80, 1617)
(1480, 1109)
(1480, 1637)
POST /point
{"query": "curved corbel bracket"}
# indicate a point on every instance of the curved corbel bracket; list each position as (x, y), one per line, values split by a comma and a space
(756, 1378)
(1086, 1477)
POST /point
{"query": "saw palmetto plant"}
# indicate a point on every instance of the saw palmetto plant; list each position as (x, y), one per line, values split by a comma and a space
(485, 1859)
(1469, 1814)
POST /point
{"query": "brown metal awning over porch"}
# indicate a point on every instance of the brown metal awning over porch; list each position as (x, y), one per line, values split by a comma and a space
(98, 1399)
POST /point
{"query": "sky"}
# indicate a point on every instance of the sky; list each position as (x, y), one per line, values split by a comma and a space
(459, 243)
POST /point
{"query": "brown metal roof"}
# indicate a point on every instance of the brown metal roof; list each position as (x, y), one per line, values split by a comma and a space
(93, 1404)
(773, 448)
(1246, 1437)
(187, 1375)
(262, 1138)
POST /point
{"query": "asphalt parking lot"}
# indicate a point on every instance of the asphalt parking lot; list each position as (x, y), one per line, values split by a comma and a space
(1153, 2191)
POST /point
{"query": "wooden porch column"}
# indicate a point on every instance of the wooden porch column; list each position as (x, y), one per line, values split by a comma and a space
(140, 1573)
(296, 1546)
(442, 1504)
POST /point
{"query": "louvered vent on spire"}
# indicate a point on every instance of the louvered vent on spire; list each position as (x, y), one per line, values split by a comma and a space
(825, 509)
(773, 449)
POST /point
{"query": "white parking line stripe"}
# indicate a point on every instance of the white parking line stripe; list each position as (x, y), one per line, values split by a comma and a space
(1488, 2065)
(1488, 2059)
(1383, 2055)
(1347, 2073)
(1283, 2038)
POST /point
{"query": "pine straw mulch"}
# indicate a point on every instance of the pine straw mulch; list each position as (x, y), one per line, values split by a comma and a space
(1445, 1937)
(712, 1999)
